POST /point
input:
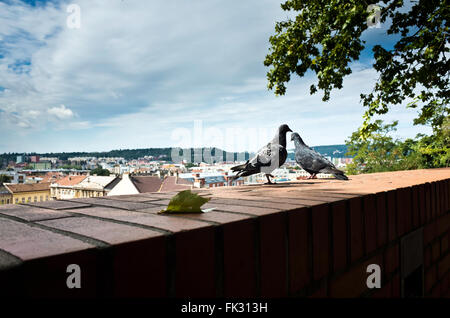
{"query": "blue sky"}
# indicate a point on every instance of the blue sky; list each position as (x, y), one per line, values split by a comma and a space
(140, 74)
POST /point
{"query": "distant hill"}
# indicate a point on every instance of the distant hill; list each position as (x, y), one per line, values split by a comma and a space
(128, 154)
(335, 151)
(166, 153)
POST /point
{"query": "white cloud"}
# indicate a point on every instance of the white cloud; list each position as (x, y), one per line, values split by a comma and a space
(61, 112)
(137, 70)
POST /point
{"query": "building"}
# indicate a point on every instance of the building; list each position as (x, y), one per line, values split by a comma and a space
(95, 186)
(64, 188)
(144, 184)
(5, 195)
(80, 186)
(211, 180)
(34, 159)
(136, 184)
(41, 165)
(31, 192)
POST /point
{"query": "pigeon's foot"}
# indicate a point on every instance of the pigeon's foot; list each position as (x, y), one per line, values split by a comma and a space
(268, 179)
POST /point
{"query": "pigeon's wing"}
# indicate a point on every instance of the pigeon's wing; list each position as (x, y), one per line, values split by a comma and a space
(311, 161)
(270, 156)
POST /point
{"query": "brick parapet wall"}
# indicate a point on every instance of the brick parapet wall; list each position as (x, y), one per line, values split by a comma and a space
(306, 239)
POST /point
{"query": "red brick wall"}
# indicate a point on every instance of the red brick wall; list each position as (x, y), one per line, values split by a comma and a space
(255, 243)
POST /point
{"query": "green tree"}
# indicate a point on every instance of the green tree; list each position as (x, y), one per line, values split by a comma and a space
(325, 37)
(100, 172)
(5, 178)
(381, 152)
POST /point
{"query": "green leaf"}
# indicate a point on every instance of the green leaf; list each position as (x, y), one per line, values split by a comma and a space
(185, 202)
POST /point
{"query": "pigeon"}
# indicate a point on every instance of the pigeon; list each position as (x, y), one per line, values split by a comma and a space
(313, 162)
(268, 158)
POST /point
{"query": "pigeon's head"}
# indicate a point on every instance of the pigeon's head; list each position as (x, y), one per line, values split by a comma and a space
(283, 129)
(295, 136)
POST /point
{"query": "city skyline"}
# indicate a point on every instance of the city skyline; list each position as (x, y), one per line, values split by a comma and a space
(136, 72)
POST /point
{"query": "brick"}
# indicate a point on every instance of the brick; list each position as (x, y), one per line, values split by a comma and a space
(391, 259)
(370, 223)
(257, 211)
(422, 203)
(28, 242)
(430, 278)
(273, 255)
(428, 205)
(59, 205)
(321, 292)
(381, 219)
(429, 233)
(433, 198)
(239, 259)
(111, 233)
(299, 272)
(320, 241)
(444, 244)
(215, 216)
(142, 250)
(164, 222)
(29, 213)
(46, 256)
(396, 286)
(194, 279)
(404, 211)
(444, 266)
(46, 277)
(339, 216)
(436, 292)
(443, 224)
(445, 284)
(427, 257)
(131, 206)
(138, 265)
(255, 203)
(440, 198)
(445, 194)
(391, 215)
(415, 207)
(356, 229)
(384, 292)
(435, 251)
(353, 282)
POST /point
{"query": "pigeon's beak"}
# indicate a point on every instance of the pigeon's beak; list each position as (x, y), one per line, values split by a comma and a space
(289, 129)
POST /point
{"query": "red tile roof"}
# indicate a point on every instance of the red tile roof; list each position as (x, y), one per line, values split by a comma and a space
(28, 187)
(175, 184)
(70, 180)
(146, 184)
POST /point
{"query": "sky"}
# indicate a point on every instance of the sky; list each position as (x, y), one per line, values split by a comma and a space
(162, 73)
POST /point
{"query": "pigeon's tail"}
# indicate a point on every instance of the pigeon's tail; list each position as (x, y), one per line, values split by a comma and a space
(339, 174)
(240, 167)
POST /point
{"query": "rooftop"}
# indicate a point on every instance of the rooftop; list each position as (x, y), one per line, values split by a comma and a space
(310, 238)
(27, 187)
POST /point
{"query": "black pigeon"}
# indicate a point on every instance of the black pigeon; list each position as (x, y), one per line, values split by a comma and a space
(268, 158)
(313, 162)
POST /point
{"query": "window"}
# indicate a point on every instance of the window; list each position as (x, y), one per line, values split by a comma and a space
(3, 201)
(17, 200)
(29, 199)
(23, 200)
(35, 199)
(40, 198)
(7, 201)
(46, 198)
